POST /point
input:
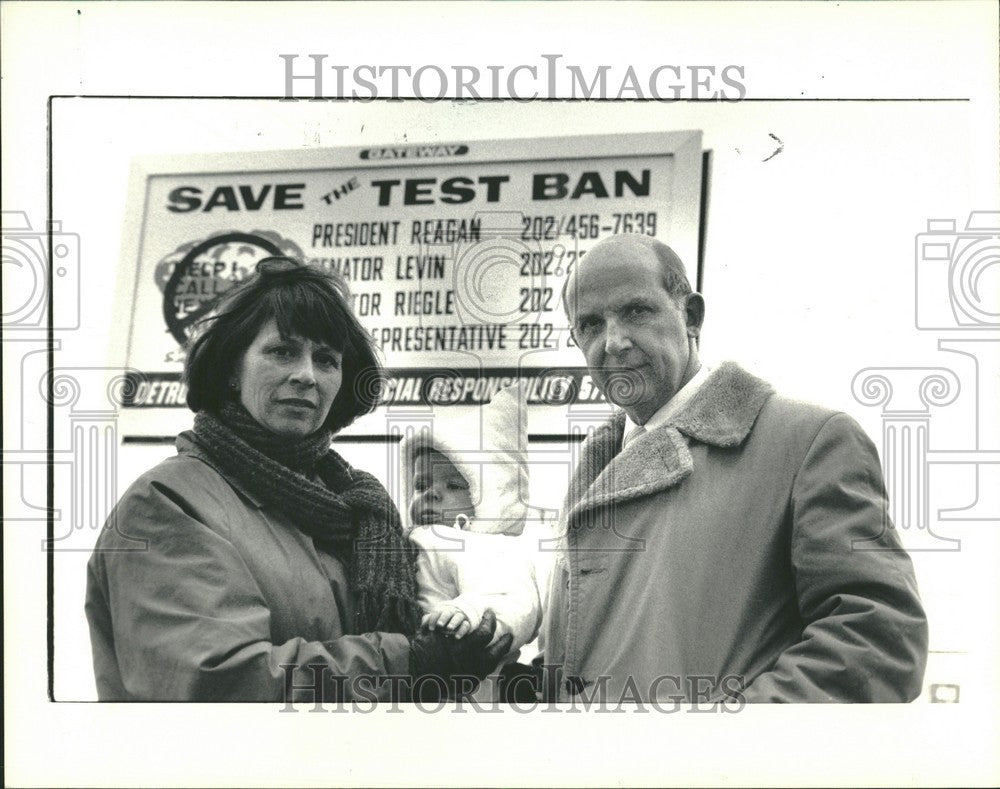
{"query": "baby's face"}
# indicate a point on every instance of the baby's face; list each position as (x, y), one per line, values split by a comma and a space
(440, 492)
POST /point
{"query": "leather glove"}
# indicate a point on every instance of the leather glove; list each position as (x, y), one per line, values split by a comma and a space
(435, 654)
(520, 684)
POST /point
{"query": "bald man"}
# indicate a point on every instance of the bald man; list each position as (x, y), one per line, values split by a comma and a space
(722, 542)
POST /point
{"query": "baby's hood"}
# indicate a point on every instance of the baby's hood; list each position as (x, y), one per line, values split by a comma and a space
(489, 447)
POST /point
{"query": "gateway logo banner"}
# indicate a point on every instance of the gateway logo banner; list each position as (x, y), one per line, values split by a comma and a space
(414, 152)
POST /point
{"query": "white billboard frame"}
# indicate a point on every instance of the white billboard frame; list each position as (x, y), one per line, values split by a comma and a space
(685, 196)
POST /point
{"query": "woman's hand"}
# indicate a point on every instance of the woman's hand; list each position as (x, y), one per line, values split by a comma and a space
(432, 653)
(449, 618)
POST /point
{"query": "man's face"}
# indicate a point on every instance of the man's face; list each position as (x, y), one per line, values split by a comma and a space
(635, 337)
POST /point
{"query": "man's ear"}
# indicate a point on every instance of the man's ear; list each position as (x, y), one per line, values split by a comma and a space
(694, 313)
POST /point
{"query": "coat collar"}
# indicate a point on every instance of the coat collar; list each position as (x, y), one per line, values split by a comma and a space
(721, 413)
(187, 445)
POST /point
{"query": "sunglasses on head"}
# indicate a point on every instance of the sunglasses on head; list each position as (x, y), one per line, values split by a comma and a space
(278, 265)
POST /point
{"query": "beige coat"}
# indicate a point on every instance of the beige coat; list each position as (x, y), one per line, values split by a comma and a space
(743, 545)
(197, 591)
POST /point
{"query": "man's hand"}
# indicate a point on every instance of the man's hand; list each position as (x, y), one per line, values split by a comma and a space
(451, 619)
(435, 654)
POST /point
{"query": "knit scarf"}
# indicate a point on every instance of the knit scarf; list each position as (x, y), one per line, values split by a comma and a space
(349, 513)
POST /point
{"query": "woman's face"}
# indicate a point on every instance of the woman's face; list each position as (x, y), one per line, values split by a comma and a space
(288, 383)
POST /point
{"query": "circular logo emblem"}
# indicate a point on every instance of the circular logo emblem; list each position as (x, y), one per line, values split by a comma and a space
(209, 269)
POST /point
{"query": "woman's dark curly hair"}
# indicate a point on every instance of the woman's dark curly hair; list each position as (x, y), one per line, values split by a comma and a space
(303, 301)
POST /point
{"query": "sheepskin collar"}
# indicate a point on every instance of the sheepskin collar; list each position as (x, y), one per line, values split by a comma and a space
(721, 413)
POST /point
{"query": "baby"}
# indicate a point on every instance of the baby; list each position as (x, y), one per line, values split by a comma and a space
(465, 484)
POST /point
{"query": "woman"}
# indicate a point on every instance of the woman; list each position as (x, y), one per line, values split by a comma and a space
(268, 563)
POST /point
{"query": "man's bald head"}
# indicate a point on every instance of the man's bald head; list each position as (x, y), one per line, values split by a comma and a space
(672, 273)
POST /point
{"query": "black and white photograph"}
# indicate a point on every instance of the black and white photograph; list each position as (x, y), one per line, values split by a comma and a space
(501, 394)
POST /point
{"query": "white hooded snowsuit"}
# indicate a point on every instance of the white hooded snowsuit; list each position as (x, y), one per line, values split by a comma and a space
(483, 565)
